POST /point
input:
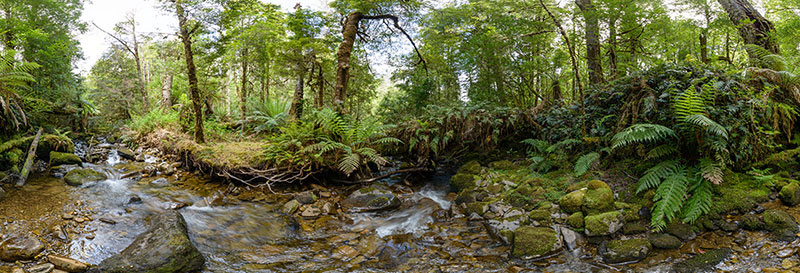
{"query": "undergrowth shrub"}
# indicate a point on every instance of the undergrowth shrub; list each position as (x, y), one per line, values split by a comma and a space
(153, 120)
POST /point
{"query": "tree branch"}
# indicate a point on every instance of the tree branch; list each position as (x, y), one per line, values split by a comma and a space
(396, 22)
(125, 44)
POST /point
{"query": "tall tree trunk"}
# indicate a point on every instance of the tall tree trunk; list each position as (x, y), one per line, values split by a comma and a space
(321, 88)
(243, 93)
(592, 34)
(753, 27)
(138, 58)
(197, 102)
(296, 110)
(343, 60)
(612, 47)
(703, 47)
(166, 91)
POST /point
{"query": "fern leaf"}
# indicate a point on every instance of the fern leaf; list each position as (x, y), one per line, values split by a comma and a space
(699, 203)
(662, 151)
(584, 163)
(653, 176)
(710, 171)
(711, 126)
(349, 163)
(669, 199)
(642, 133)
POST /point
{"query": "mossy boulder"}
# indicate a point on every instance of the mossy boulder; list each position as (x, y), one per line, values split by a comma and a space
(53, 143)
(790, 194)
(472, 167)
(461, 182)
(573, 201)
(621, 251)
(535, 241)
(598, 200)
(58, 158)
(597, 184)
(78, 177)
(683, 231)
(165, 247)
(633, 228)
(703, 262)
(502, 165)
(603, 224)
(775, 220)
(542, 216)
(664, 241)
(576, 220)
(751, 222)
(478, 208)
(371, 198)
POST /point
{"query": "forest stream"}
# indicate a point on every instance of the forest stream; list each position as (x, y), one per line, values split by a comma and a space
(427, 233)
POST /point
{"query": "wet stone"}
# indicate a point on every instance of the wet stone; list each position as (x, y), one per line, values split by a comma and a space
(345, 253)
(664, 241)
(42, 268)
(66, 264)
(371, 198)
(291, 207)
(621, 251)
(20, 248)
(306, 197)
(702, 262)
(108, 220)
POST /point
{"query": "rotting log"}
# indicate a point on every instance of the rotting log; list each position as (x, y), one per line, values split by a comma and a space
(26, 168)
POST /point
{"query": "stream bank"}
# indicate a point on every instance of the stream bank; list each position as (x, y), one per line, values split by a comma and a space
(492, 218)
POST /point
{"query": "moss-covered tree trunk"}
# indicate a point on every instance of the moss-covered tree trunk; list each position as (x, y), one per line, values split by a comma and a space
(197, 102)
(753, 27)
(243, 93)
(343, 60)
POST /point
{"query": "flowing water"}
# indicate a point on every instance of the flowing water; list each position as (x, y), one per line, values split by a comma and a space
(94, 221)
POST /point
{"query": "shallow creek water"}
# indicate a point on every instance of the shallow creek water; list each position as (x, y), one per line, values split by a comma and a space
(254, 236)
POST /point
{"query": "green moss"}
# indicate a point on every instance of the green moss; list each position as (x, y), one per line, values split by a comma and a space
(598, 200)
(79, 177)
(790, 194)
(780, 159)
(576, 220)
(603, 224)
(620, 251)
(577, 186)
(57, 158)
(739, 192)
(502, 165)
(542, 216)
(751, 222)
(534, 241)
(472, 167)
(703, 262)
(460, 182)
(477, 207)
(597, 184)
(573, 201)
(777, 219)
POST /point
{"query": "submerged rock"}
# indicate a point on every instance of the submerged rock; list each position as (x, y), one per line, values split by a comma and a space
(370, 198)
(603, 224)
(664, 241)
(790, 194)
(57, 159)
(20, 248)
(535, 241)
(78, 177)
(702, 262)
(631, 250)
(165, 247)
(681, 230)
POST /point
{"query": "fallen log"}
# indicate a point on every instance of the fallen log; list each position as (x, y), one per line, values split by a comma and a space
(26, 168)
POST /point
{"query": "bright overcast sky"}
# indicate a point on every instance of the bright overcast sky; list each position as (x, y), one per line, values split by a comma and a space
(107, 13)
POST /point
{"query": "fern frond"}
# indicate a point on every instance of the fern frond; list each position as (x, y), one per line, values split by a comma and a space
(349, 163)
(662, 151)
(669, 199)
(563, 144)
(653, 176)
(699, 203)
(711, 126)
(710, 171)
(584, 163)
(642, 133)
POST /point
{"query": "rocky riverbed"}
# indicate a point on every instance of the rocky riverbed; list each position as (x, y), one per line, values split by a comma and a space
(132, 212)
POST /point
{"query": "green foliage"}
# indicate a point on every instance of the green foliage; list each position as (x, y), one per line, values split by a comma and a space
(152, 121)
(270, 115)
(14, 77)
(584, 163)
(642, 134)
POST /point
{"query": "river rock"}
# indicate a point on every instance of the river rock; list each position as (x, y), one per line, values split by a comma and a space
(371, 198)
(664, 241)
(598, 200)
(20, 248)
(703, 262)
(782, 225)
(165, 247)
(472, 167)
(633, 228)
(66, 264)
(57, 159)
(306, 197)
(573, 201)
(461, 182)
(571, 238)
(631, 250)
(681, 230)
(790, 194)
(126, 153)
(535, 241)
(78, 177)
(576, 220)
(42, 268)
(603, 224)
(751, 222)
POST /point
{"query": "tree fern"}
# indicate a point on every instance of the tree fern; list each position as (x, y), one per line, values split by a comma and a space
(584, 163)
(669, 198)
(760, 57)
(14, 77)
(642, 133)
